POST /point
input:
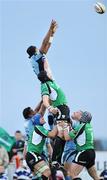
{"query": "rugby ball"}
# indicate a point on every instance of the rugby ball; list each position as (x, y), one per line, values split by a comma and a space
(99, 8)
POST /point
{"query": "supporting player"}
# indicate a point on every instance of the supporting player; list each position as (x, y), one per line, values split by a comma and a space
(85, 156)
(36, 143)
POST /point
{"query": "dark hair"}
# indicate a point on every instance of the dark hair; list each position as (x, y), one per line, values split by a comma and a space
(18, 131)
(31, 51)
(26, 112)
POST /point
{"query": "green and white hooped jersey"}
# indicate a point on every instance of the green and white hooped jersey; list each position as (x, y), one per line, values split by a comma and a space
(37, 139)
(83, 136)
(54, 92)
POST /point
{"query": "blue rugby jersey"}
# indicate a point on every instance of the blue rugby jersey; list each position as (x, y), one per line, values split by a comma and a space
(40, 63)
(37, 62)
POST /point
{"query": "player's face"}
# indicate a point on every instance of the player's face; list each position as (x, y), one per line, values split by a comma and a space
(31, 112)
(76, 115)
(18, 136)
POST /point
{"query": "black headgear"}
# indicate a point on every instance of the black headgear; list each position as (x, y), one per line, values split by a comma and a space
(86, 117)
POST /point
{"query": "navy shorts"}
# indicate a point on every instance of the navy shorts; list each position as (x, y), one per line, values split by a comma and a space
(85, 158)
(32, 159)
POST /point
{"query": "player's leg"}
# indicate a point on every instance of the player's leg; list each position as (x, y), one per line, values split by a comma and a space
(59, 142)
(74, 170)
(91, 164)
(93, 173)
(37, 165)
(58, 147)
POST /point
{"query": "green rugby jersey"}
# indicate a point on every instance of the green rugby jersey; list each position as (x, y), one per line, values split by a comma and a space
(37, 139)
(55, 93)
(83, 136)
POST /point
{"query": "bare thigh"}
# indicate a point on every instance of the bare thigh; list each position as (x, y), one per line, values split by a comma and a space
(75, 169)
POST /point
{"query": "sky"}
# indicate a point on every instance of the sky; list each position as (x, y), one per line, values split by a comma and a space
(78, 58)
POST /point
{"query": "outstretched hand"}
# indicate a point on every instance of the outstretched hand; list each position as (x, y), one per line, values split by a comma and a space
(53, 26)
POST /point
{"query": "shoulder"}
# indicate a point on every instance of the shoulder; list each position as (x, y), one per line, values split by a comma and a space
(37, 56)
(41, 131)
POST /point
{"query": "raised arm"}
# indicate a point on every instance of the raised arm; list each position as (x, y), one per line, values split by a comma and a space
(53, 133)
(42, 109)
(48, 38)
(37, 108)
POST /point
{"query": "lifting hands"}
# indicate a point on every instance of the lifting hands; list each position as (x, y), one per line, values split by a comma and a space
(53, 26)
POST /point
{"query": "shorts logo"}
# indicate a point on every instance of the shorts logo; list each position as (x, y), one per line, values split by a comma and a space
(63, 116)
(83, 162)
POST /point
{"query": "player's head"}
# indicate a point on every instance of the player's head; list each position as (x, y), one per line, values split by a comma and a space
(18, 135)
(82, 116)
(76, 115)
(28, 113)
(32, 50)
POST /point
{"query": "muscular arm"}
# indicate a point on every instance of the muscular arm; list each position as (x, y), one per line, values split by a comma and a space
(74, 133)
(42, 109)
(37, 108)
(47, 104)
(53, 133)
(46, 41)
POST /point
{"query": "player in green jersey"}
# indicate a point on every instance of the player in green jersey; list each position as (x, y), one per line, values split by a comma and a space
(82, 134)
(55, 101)
(35, 146)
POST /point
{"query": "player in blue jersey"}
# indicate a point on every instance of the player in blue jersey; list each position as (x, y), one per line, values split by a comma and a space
(29, 115)
(38, 56)
(36, 142)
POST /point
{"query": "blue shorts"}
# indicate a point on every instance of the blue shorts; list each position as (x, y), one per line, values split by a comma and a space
(69, 152)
